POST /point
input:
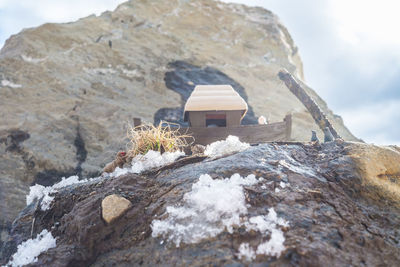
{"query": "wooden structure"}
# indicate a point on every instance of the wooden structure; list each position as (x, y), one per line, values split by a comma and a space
(215, 111)
(252, 134)
(214, 106)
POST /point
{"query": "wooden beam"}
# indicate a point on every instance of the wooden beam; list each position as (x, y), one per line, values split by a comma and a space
(316, 112)
(137, 122)
(253, 134)
(288, 121)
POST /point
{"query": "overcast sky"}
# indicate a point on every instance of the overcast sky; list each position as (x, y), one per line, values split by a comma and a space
(350, 51)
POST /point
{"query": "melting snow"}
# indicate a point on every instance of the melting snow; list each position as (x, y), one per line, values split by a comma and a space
(231, 145)
(274, 246)
(10, 84)
(246, 252)
(39, 191)
(29, 250)
(208, 209)
(151, 159)
(214, 205)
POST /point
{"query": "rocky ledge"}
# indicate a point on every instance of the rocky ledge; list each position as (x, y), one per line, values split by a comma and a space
(279, 204)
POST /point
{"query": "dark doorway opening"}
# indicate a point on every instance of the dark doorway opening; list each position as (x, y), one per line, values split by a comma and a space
(215, 120)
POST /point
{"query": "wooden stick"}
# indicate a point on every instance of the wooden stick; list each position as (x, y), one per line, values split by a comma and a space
(137, 122)
(316, 112)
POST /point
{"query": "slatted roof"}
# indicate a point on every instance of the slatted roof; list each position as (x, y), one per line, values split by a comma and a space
(214, 98)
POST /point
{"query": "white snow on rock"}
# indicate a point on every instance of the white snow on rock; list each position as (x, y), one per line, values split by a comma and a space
(274, 246)
(212, 206)
(265, 225)
(38, 191)
(151, 159)
(215, 205)
(246, 252)
(28, 251)
(283, 184)
(7, 83)
(229, 146)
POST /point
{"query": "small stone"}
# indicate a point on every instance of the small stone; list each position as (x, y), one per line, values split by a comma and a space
(113, 207)
(198, 149)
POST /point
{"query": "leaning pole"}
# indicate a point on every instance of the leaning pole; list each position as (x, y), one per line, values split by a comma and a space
(318, 115)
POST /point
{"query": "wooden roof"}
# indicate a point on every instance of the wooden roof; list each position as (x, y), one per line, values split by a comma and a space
(214, 98)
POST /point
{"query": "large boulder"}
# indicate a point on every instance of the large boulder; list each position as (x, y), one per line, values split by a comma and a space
(304, 206)
(68, 90)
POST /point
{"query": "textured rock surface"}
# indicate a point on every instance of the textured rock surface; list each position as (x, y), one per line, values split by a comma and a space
(380, 169)
(67, 90)
(113, 207)
(330, 218)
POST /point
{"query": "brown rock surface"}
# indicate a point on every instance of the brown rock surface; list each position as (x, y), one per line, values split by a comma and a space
(113, 207)
(69, 94)
(379, 168)
(330, 219)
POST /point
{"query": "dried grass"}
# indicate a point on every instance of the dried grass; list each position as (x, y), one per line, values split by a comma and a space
(162, 138)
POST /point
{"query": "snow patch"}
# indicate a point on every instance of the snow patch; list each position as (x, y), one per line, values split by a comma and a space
(229, 146)
(274, 246)
(152, 159)
(246, 252)
(212, 206)
(7, 83)
(39, 191)
(215, 205)
(28, 251)
(283, 184)
(266, 225)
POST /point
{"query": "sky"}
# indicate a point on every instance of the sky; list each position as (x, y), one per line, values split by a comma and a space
(350, 51)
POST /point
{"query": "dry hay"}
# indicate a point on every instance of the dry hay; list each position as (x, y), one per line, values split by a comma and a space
(162, 138)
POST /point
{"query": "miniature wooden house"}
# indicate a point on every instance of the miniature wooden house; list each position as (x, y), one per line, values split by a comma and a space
(214, 106)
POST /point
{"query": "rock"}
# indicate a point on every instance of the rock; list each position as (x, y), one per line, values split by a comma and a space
(379, 167)
(198, 149)
(113, 207)
(333, 215)
(84, 80)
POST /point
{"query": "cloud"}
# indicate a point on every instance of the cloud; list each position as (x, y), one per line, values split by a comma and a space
(370, 119)
(17, 15)
(350, 50)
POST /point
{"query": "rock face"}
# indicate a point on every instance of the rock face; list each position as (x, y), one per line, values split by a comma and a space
(317, 189)
(113, 207)
(68, 90)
